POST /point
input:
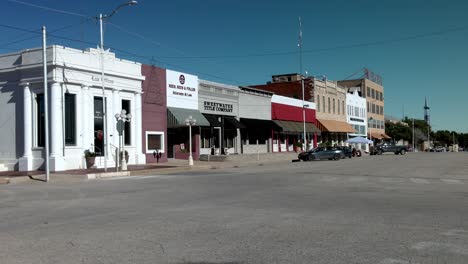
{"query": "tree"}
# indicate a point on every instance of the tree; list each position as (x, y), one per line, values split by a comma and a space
(398, 131)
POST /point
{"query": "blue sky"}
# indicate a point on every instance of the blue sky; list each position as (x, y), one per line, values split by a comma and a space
(419, 47)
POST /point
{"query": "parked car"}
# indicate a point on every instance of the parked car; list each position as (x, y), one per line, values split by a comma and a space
(348, 151)
(321, 153)
(439, 149)
(390, 147)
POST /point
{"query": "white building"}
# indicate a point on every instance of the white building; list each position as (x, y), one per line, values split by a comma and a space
(356, 114)
(75, 99)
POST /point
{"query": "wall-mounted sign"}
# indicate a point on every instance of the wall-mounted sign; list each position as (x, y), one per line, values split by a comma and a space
(182, 90)
(98, 79)
(370, 75)
(217, 107)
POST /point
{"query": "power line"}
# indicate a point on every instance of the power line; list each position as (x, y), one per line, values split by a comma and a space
(49, 8)
(357, 45)
(147, 58)
(6, 44)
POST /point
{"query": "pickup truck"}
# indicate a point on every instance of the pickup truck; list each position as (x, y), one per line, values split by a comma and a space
(390, 147)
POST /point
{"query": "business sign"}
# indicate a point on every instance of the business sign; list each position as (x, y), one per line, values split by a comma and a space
(182, 90)
(217, 107)
(370, 75)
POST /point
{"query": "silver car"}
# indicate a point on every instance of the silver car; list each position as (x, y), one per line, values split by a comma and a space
(322, 153)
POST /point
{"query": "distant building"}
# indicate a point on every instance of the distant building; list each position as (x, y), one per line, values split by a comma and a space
(373, 91)
(357, 114)
(329, 99)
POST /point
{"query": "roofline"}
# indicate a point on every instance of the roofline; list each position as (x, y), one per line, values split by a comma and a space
(248, 88)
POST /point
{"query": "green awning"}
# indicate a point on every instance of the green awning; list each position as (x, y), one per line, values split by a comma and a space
(176, 117)
(296, 127)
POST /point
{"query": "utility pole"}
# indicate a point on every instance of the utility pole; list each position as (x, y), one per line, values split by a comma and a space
(104, 116)
(302, 82)
(414, 150)
(46, 103)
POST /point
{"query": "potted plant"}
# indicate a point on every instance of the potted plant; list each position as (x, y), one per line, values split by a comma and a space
(126, 156)
(90, 158)
(297, 146)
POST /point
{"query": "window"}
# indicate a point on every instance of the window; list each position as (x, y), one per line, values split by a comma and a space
(128, 131)
(356, 111)
(368, 91)
(342, 105)
(323, 103)
(98, 127)
(333, 105)
(40, 121)
(338, 106)
(154, 141)
(70, 119)
(318, 103)
(373, 108)
(373, 93)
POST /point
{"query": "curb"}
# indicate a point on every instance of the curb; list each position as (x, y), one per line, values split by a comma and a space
(4, 180)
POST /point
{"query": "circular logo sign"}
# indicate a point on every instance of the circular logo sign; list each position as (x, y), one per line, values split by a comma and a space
(182, 79)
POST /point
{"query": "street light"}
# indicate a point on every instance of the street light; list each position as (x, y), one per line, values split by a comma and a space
(123, 117)
(370, 132)
(190, 122)
(101, 51)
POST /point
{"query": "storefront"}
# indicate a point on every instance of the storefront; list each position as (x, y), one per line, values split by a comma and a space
(219, 103)
(287, 113)
(255, 115)
(154, 114)
(76, 114)
(182, 105)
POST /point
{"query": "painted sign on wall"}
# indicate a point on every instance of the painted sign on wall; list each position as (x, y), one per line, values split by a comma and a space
(182, 90)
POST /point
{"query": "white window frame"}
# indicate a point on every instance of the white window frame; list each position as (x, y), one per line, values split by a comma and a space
(163, 145)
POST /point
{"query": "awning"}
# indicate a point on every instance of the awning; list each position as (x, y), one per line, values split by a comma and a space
(234, 122)
(176, 117)
(296, 127)
(213, 119)
(377, 135)
(386, 136)
(259, 123)
(335, 126)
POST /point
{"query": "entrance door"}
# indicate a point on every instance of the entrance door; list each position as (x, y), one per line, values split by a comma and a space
(170, 143)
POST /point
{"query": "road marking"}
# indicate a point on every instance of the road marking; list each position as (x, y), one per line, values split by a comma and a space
(435, 246)
(452, 181)
(395, 261)
(357, 179)
(419, 181)
(329, 179)
(134, 177)
(456, 232)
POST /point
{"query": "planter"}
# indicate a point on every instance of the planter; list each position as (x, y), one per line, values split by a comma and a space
(90, 162)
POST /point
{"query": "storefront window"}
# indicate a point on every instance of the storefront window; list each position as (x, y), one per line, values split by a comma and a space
(40, 120)
(70, 119)
(98, 127)
(128, 134)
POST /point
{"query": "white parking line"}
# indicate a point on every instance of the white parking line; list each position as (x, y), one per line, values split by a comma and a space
(395, 261)
(419, 181)
(452, 181)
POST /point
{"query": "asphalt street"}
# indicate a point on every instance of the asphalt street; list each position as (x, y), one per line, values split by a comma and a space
(385, 209)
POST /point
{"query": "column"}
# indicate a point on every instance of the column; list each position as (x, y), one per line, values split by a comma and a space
(25, 162)
(137, 118)
(87, 116)
(56, 127)
(112, 127)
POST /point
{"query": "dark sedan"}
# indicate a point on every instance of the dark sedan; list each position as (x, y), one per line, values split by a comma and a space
(321, 153)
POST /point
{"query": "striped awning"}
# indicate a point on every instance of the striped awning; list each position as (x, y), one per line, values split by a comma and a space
(335, 126)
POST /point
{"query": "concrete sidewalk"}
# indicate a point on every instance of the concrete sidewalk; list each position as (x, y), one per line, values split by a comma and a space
(172, 166)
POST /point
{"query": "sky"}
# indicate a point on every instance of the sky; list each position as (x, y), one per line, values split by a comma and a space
(419, 47)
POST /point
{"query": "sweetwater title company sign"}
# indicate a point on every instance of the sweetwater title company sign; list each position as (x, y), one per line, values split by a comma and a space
(182, 90)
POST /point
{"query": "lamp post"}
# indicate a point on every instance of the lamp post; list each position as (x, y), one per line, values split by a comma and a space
(369, 124)
(190, 122)
(123, 117)
(101, 51)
